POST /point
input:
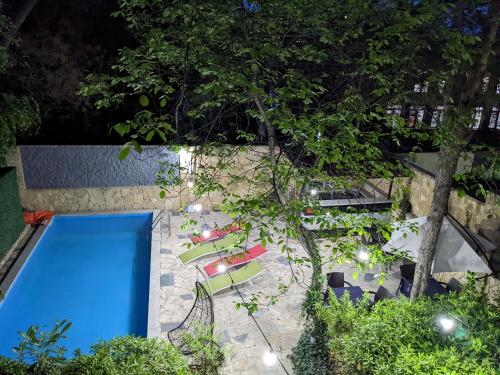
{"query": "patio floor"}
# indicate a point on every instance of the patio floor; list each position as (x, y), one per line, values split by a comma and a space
(243, 343)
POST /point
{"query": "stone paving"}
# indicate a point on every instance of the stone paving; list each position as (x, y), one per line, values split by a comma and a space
(243, 343)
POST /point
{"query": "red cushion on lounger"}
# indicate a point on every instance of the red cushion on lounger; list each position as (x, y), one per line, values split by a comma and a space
(216, 234)
(235, 260)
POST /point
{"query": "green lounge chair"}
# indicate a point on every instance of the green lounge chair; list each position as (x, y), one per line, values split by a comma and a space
(208, 248)
(241, 275)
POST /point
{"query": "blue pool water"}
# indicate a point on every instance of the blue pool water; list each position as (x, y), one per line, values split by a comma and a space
(91, 270)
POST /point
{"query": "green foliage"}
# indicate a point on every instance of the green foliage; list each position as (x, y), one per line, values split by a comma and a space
(207, 355)
(401, 337)
(40, 347)
(40, 353)
(129, 355)
(18, 114)
(311, 355)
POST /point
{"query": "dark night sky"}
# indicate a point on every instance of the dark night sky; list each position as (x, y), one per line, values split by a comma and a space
(60, 42)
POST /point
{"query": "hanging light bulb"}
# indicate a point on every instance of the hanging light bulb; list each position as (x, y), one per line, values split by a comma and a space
(363, 255)
(269, 358)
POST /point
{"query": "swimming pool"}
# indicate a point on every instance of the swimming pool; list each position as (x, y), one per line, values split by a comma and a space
(92, 270)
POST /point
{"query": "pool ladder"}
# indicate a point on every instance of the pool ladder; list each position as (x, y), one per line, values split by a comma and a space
(163, 214)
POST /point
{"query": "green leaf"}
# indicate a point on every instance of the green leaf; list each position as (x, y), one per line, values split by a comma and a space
(461, 193)
(162, 194)
(163, 102)
(150, 135)
(143, 100)
(124, 153)
(137, 146)
(122, 128)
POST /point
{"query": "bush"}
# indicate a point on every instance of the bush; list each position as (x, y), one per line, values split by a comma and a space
(39, 354)
(129, 355)
(402, 337)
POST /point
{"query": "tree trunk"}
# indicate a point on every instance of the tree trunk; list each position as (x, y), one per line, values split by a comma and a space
(305, 237)
(449, 154)
(444, 179)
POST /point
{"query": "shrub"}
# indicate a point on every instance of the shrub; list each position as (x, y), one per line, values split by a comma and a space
(129, 355)
(402, 337)
(40, 354)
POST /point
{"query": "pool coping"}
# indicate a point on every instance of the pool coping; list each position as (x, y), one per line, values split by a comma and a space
(22, 258)
(154, 277)
(153, 325)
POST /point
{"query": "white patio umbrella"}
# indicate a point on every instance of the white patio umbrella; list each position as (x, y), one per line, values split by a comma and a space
(454, 253)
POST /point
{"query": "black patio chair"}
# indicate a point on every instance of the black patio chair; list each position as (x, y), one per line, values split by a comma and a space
(381, 294)
(407, 273)
(334, 280)
(453, 285)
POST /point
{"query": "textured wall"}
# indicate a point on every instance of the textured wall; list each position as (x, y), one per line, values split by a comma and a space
(57, 167)
(128, 198)
(11, 214)
(467, 210)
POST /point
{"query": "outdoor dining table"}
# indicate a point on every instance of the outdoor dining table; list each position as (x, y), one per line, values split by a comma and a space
(355, 292)
(433, 287)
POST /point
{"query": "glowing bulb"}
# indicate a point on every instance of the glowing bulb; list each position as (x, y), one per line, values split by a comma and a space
(206, 234)
(446, 323)
(269, 358)
(314, 192)
(363, 255)
(221, 268)
(197, 207)
(190, 184)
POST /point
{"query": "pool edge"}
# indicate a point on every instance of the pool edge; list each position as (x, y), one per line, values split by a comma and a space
(153, 330)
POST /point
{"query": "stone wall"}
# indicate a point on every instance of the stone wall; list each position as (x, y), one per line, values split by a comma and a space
(132, 197)
(467, 210)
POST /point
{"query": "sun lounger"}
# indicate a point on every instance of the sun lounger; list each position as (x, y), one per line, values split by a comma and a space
(216, 234)
(239, 259)
(209, 248)
(239, 276)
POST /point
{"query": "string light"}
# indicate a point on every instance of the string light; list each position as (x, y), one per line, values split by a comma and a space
(206, 234)
(447, 323)
(269, 358)
(363, 255)
(190, 184)
(221, 268)
(197, 207)
(314, 192)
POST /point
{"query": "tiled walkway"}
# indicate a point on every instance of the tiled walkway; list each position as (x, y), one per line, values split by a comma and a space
(243, 343)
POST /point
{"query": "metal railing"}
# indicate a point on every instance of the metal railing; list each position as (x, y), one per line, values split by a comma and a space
(163, 214)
